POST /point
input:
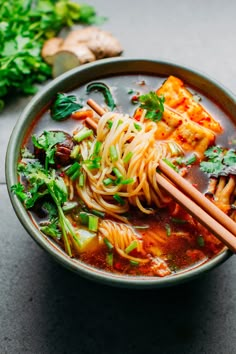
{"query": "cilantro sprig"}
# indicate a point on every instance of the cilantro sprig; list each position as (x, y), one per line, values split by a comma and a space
(153, 104)
(220, 161)
(41, 182)
(24, 26)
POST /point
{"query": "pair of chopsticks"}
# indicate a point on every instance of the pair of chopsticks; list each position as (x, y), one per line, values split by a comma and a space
(209, 215)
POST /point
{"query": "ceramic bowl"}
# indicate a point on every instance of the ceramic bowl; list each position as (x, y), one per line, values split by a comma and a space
(69, 81)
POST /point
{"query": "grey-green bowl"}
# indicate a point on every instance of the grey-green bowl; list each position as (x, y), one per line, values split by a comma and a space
(71, 80)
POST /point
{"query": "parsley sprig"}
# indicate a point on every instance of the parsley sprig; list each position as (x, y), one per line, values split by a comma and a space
(24, 26)
(220, 161)
(153, 104)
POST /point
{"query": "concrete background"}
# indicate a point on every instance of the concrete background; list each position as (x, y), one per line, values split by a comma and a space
(45, 308)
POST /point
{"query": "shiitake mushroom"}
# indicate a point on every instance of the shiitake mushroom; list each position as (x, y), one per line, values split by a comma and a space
(63, 151)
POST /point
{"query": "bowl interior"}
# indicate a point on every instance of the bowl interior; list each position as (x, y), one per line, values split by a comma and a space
(69, 81)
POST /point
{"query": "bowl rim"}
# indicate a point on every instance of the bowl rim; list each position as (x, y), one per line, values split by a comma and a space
(58, 254)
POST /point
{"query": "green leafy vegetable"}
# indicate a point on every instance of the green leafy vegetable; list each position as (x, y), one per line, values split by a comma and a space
(24, 27)
(153, 104)
(220, 161)
(47, 142)
(64, 106)
(104, 89)
(39, 183)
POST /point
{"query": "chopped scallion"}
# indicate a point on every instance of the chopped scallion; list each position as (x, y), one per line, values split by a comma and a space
(113, 153)
(109, 259)
(107, 181)
(81, 180)
(93, 223)
(118, 174)
(168, 230)
(137, 127)
(109, 123)
(201, 241)
(128, 157)
(169, 163)
(75, 153)
(127, 181)
(119, 199)
(98, 213)
(191, 160)
(108, 243)
(97, 147)
(83, 134)
(84, 217)
(69, 206)
(72, 169)
(134, 263)
(178, 221)
(131, 247)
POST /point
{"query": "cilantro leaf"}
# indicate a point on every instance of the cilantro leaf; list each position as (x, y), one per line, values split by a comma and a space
(52, 229)
(47, 142)
(19, 190)
(153, 104)
(64, 106)
(220, 161)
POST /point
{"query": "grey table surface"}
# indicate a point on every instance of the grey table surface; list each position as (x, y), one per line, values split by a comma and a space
(45, 308)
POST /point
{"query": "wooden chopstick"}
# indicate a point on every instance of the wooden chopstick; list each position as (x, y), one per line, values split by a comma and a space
(200, 214)
(217, 222)
(198, 197)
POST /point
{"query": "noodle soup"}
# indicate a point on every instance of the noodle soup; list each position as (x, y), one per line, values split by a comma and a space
(89, 183)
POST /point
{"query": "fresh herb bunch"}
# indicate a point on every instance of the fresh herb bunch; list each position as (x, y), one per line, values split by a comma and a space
(24, 26)
(153, 104)
(220, 161)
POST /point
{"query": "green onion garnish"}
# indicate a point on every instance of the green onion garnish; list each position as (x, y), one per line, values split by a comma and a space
(137, 126)
(93, 163)
(97, 147)
(178, 221)
(118, 174)
(69, 206)
(83, 134)
(168, 230)
(84, 218)
(109, 259)
(169, 163)
(131, 247)
(119, 199)
(73, 168)
(127, 181)
(109, 123)
(113, 153)
(81, 180)
(128, 157)
(75, 153)
(108, 243)
(107, 181)
(98, 213)
(134, 263)
(93, 223)
(191, 160)
(201, 241)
